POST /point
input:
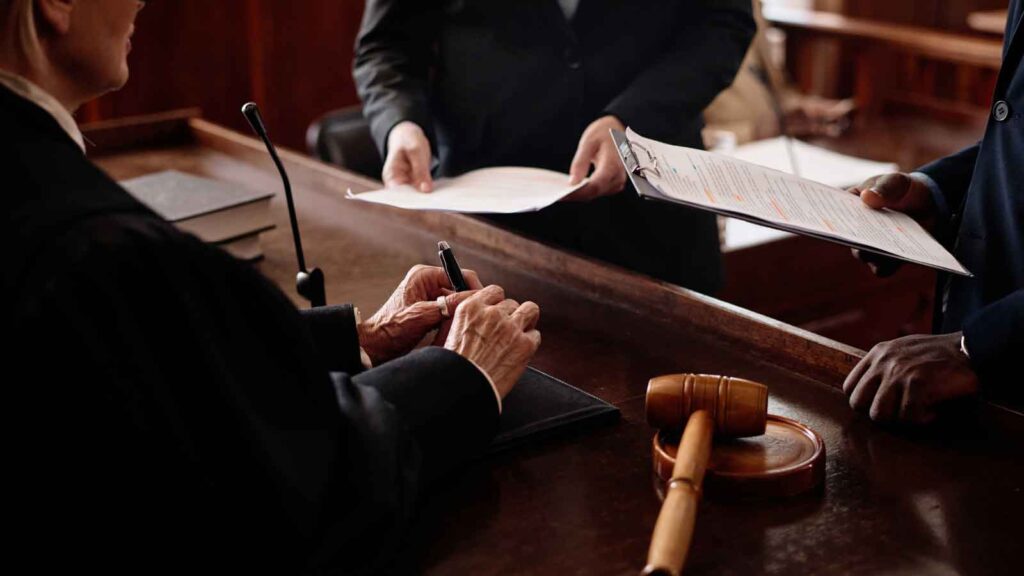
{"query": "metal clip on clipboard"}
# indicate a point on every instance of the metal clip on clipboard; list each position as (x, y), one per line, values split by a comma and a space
(634, 163)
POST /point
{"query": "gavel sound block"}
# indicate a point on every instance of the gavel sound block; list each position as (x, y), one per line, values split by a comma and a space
(791, 461)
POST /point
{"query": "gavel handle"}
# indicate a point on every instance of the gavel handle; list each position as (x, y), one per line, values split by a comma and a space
(673, 531)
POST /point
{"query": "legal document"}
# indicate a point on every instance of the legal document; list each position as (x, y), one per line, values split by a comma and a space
(772, 198)
(502, 190)
(812, 162)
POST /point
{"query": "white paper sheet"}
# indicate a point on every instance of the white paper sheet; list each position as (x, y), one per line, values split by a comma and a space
(503, 190)
(813, 162)
(734, 187)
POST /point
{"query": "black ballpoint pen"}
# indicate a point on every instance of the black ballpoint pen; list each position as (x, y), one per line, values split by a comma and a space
(451, 267)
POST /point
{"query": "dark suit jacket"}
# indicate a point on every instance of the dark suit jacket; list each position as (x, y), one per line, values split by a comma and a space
(172, 411)
(984, 189)
(515, 83)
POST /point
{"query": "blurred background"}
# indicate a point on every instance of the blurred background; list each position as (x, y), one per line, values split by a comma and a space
(294, 58)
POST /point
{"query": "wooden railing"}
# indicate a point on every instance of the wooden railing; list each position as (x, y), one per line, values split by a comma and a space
(944, 73)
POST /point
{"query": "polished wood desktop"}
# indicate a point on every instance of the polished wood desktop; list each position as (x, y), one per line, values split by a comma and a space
(948, 501)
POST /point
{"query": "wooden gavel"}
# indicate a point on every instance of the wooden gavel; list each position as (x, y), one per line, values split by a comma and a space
(707, 405)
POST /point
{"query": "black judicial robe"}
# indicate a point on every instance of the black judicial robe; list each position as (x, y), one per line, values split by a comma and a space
(983, 188)
(514, 83)
(169, 410)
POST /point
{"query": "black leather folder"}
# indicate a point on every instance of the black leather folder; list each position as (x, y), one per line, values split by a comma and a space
(541, 405)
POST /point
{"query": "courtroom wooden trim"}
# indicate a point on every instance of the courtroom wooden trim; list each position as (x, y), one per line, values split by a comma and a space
(951, 47)
(988, 21)
(162, 129)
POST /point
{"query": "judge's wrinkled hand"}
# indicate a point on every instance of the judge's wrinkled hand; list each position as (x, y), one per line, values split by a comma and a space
(408, 160)
(597, 148)
(908, 378)
(412, 311)
(498, 335)
(898, 192)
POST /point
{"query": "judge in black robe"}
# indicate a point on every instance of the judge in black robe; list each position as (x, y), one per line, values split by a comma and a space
(169, 410)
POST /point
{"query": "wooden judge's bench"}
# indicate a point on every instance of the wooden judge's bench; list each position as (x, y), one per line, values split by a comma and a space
(949, 501)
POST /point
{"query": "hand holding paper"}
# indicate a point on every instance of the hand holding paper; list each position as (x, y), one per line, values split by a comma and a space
(742, 190)
(899, 192)
(408, 160)
(595, 148)
(505, 190)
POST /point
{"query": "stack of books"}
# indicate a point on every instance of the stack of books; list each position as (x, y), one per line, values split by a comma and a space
(230, 217)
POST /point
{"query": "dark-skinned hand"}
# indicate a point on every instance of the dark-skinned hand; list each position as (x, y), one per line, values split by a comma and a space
(908, 379)
(899, 192)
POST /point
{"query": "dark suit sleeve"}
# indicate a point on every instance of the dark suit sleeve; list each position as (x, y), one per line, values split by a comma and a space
(333, 329)
(995, 338)
(710, 44)
(459, 389)
(952, 175)
(411, 420)
(199, 413)
(393, 55)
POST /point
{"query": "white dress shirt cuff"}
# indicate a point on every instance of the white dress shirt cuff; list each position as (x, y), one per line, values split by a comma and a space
(364, 358)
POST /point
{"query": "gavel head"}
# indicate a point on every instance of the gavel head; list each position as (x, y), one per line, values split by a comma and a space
(738, 407)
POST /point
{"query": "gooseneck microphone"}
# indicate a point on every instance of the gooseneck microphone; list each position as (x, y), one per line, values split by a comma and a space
(308, 283)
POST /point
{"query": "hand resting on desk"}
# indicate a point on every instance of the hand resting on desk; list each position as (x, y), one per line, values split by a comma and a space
(908, 378)
(500, 336)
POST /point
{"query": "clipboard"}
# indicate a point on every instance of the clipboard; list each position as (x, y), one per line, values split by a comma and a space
(640, 163)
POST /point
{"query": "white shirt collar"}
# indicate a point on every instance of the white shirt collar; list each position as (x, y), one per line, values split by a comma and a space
(569, 7)
(44, 100)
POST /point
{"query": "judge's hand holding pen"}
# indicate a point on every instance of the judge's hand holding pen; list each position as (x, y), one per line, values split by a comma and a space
(909, 378)
(496, 334)
(409, 158)
(413, 311)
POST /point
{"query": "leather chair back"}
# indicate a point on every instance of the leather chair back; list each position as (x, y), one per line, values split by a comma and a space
(342, 137)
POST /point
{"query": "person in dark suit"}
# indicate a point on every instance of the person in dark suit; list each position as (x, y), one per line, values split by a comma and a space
(973, 202)
(540, 83)
(168, 409)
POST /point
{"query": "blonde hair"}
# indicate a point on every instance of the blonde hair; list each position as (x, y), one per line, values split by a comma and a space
(20, 36)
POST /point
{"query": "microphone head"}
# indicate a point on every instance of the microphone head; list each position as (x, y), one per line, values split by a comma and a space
(252, 114)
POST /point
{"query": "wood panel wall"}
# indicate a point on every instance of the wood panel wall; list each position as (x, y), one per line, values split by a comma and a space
(945, 14)
(294, 58)
(900, 79)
